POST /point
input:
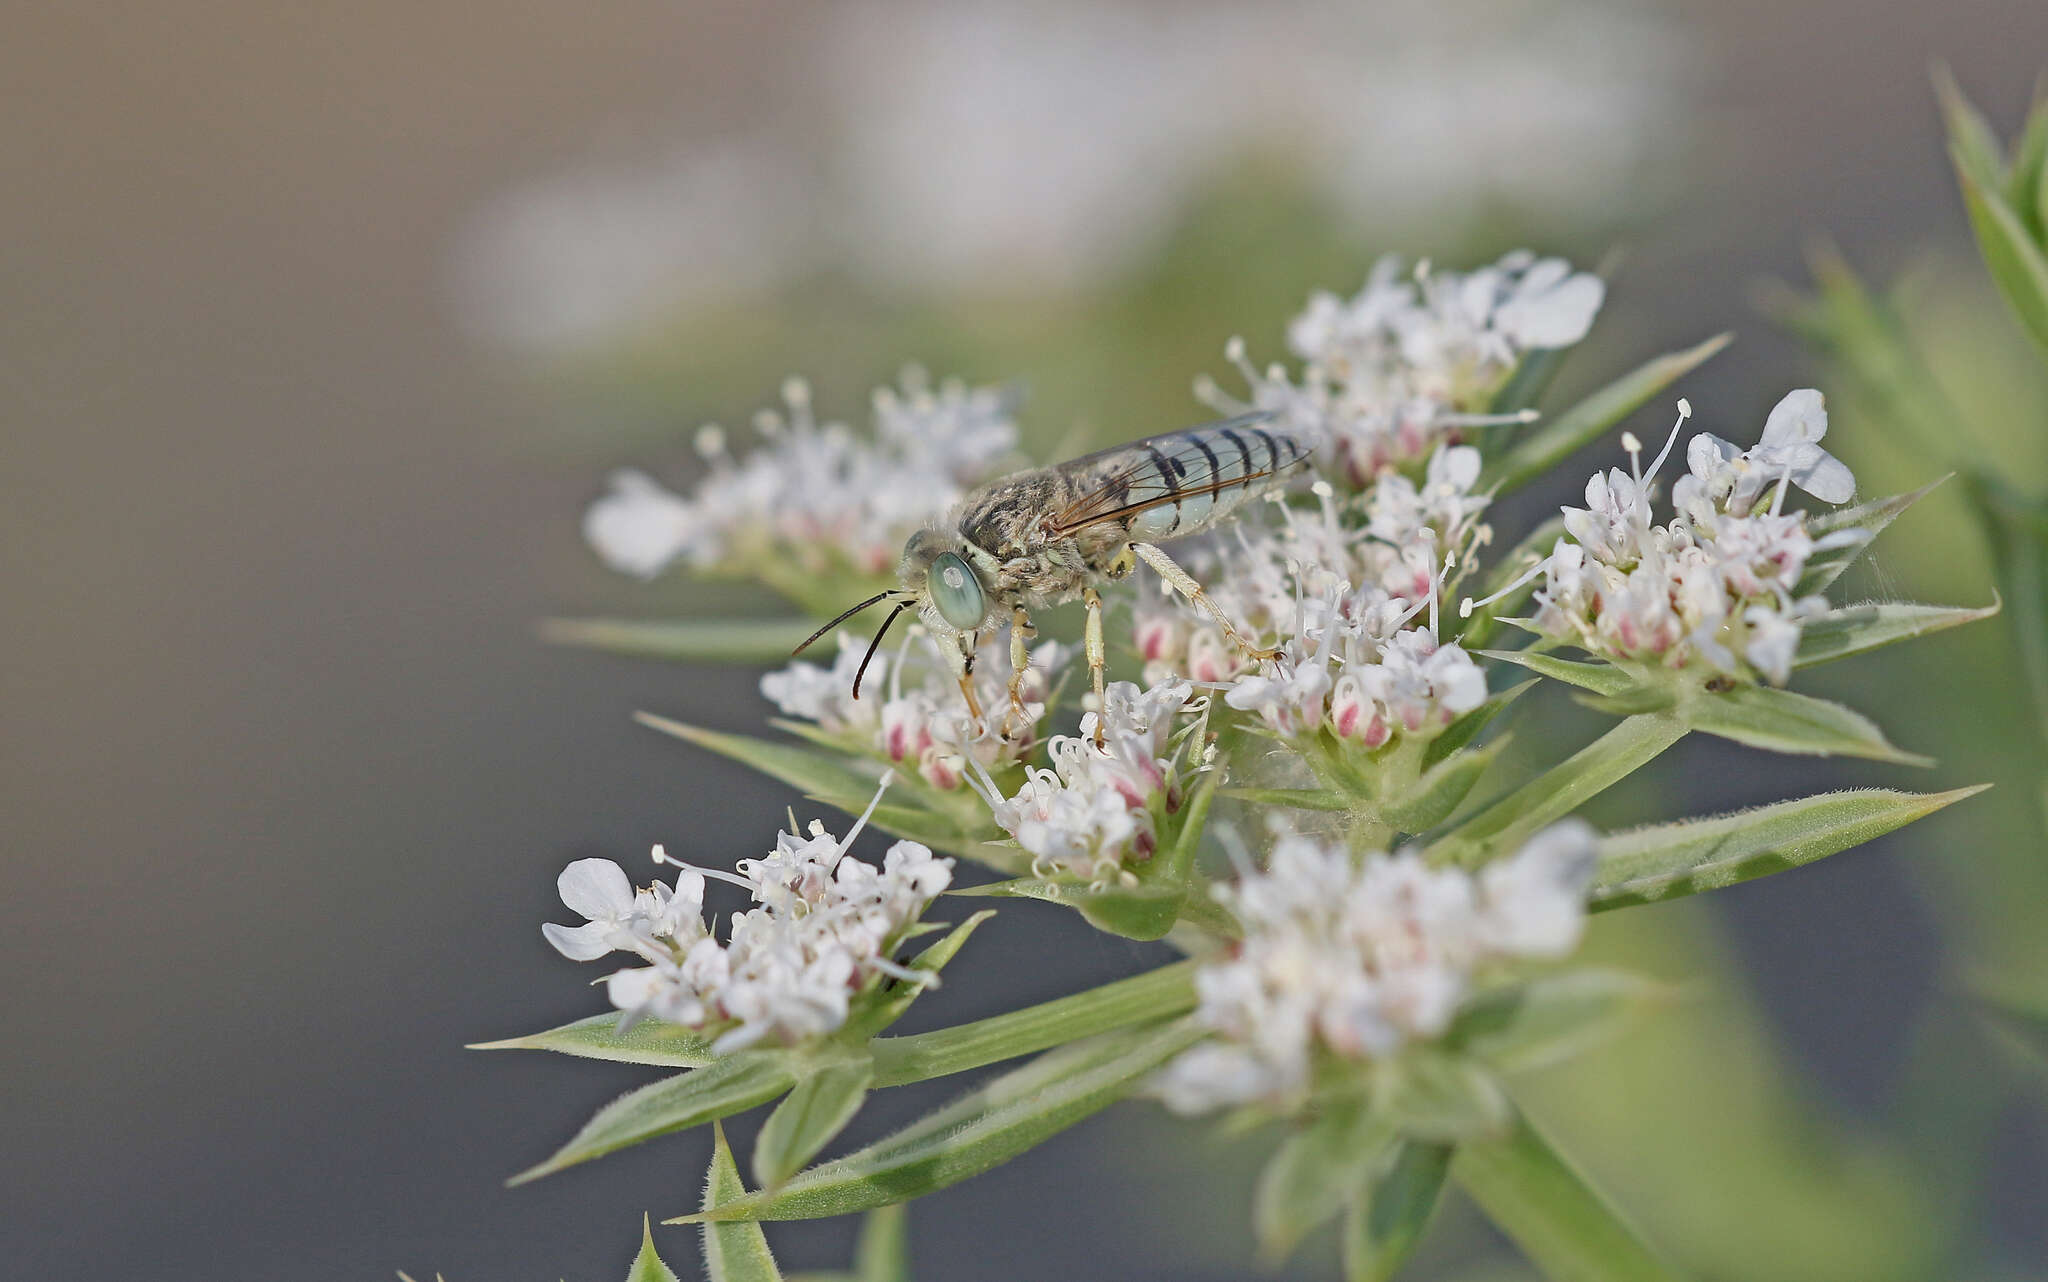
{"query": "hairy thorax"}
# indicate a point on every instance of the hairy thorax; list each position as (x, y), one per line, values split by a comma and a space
(1011, 521)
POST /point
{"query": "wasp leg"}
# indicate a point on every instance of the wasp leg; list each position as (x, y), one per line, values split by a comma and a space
(962, 663)
(1183, 582)
(1093, 600)
(1015, 720)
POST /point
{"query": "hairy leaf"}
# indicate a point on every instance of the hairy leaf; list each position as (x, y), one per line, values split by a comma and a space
(1145, 998)
(1560, 790)
(647, 1041)
(732, 1252)
(1600, 678)
(2015, 260)
(1781, 721)
(647, 1266)
(1007, 1116)
(1550, 443)
(817, 1108)
(1858, 629)
(1434, 1096)
(1664, 861)
(816, 774)
(731, 1085)
(1440, 789)
(1135, 912)
(1823, 568)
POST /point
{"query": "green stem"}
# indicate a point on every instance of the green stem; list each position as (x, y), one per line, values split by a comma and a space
(1153, 995)
(1566, 1227)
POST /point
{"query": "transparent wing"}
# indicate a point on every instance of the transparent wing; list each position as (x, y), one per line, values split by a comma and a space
(1198, 467)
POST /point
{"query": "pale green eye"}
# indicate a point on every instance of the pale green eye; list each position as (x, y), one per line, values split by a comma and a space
(956, 592)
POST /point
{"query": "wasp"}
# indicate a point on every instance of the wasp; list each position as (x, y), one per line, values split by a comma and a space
(1043, 537)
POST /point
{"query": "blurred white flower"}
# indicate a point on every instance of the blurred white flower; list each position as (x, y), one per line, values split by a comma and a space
(639, 527)
(976, 144)
(1354, 958)
(1408, 365)
(824, 925)
(813, 497)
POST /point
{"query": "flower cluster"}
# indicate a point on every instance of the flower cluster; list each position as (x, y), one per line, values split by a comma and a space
(1336, 591)
(1357, 958)
(1413, 359)
(814, 496)
(823, 925)
(1718, 582)
(1100, 807)
(920, 721)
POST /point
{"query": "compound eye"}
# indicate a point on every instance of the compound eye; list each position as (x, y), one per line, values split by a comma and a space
(956, 592)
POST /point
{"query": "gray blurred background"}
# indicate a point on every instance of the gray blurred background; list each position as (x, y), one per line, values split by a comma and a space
(321, 323)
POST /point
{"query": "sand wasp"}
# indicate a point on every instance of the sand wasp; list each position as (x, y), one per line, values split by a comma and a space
(1045, 536)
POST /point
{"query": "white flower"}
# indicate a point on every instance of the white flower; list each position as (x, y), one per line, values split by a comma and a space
(1550, 306)
(639, 527)
(825, 695)
(1715, 584)
(1098, 807)
(1355, 958)
(1407, 365)
(822, 926)
(813, 495)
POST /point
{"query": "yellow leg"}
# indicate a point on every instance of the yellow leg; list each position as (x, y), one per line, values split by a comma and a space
(1184, 583)
(962, 663)
(1020, 630)
(1093, 600)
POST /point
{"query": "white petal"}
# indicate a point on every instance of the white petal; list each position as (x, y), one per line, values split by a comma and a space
(1800, 416)
(1556, 317)
(639, 527)
(596, 888)
(587, 942)
(1828, 480)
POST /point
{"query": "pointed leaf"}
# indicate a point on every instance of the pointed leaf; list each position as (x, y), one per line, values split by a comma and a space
(1531, 377)
(1553, 1017)
(1560, 790)
(1387, 1219)
(1781, 721)
(1441, 789)
(1565, 1227)
(1468, 725)
(1857, 629)
(1664, 861)
(883, 1252)
(1146, 998)
(2028, 182)
(1551, 442)
(1134, 912)
(1315, 1171)
(732, 1252)
(2014, 260)
(733, 1084)
(647, 1266)
(1971, 140)
(1824, 567)
(817, 1108)
(1006, 1117)
(1600, 678)
(816, 774)
(693, 640)
(897, 1000)
(647, 1041)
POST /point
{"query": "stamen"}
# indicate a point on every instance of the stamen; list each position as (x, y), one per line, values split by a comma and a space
(1684, 413)
(1784, 484)
(1466, 606)
(888, 777)
(661, 856)
(1487, 420)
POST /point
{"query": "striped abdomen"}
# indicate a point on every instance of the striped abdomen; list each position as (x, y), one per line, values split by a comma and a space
(1180, 483)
